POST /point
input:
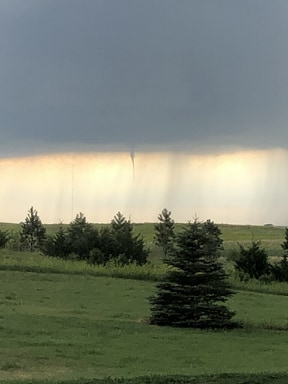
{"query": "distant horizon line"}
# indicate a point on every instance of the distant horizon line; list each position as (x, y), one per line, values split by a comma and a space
(268, 225)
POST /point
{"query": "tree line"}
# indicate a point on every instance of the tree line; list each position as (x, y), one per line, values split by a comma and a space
(195, 289)
(81, 240)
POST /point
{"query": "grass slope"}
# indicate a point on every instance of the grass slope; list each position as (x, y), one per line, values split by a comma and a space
(34, 262)
(64, 327)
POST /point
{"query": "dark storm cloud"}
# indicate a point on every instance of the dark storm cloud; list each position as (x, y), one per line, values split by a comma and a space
(145, 73)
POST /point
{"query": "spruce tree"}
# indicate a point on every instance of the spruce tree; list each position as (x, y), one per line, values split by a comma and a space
(4, 238)
(280, 269)
(195, 288)
(253, 261)
(57, 245)
(33, 233)
(164, 231)
(128, 248)
(284, 245)
(284, 259)
(82, 237)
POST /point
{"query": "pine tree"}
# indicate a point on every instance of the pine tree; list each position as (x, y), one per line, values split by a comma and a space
(280, 269)
(82, 237)
(195, 288)
(128, 247)
(164, 231)
(33, 233)
(215, 243)
(253, 261)
(4, 238)
(284, 259)
(57, 245)
(284, 245)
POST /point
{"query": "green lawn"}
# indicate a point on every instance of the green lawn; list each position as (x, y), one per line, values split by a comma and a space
(62, 326)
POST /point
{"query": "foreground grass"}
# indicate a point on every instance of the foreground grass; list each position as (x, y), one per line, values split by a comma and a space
(64, 327)
(178, 379)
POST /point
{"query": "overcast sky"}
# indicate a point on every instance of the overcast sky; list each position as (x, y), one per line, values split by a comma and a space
(150, 74)
(194, 92)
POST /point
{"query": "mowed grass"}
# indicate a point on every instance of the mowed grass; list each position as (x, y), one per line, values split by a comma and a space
(64, 327)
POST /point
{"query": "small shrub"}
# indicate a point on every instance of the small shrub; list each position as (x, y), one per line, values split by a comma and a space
(14, 242)
(266, 279)
(242, 276)
(96, 256)
(4, 238)
(232, 254)
(253, 261)
(57, 245)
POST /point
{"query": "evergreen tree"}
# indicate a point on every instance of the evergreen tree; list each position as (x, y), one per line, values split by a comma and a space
(195, 288)
(284, 245)
(214, 240)
(105, 251)
(82, 237)
(4, 238)
(107, 244)
(128, 248)
(57, 245)
(253, 261)
(164, 231)
(280, 269)
(33, 233)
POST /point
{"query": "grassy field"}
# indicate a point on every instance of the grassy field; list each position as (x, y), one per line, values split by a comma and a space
(34, 262)
(230, 232)
(61, 326)
(70, 322)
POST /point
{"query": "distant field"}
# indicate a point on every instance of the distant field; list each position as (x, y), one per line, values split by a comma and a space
(59, 326)
(229, 232)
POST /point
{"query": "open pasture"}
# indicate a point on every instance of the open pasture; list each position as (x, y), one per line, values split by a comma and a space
(64, 327)
(230, 232)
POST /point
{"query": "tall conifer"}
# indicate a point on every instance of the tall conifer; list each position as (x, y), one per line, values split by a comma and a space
(196, 287)
(164, 231)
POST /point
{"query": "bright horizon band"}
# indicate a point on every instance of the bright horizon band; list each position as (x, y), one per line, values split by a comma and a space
(246, 187)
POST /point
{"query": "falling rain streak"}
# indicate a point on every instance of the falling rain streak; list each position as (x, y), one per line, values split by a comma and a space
(242, 187)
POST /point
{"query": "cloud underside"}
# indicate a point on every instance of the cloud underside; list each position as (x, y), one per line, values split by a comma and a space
(144, 75)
